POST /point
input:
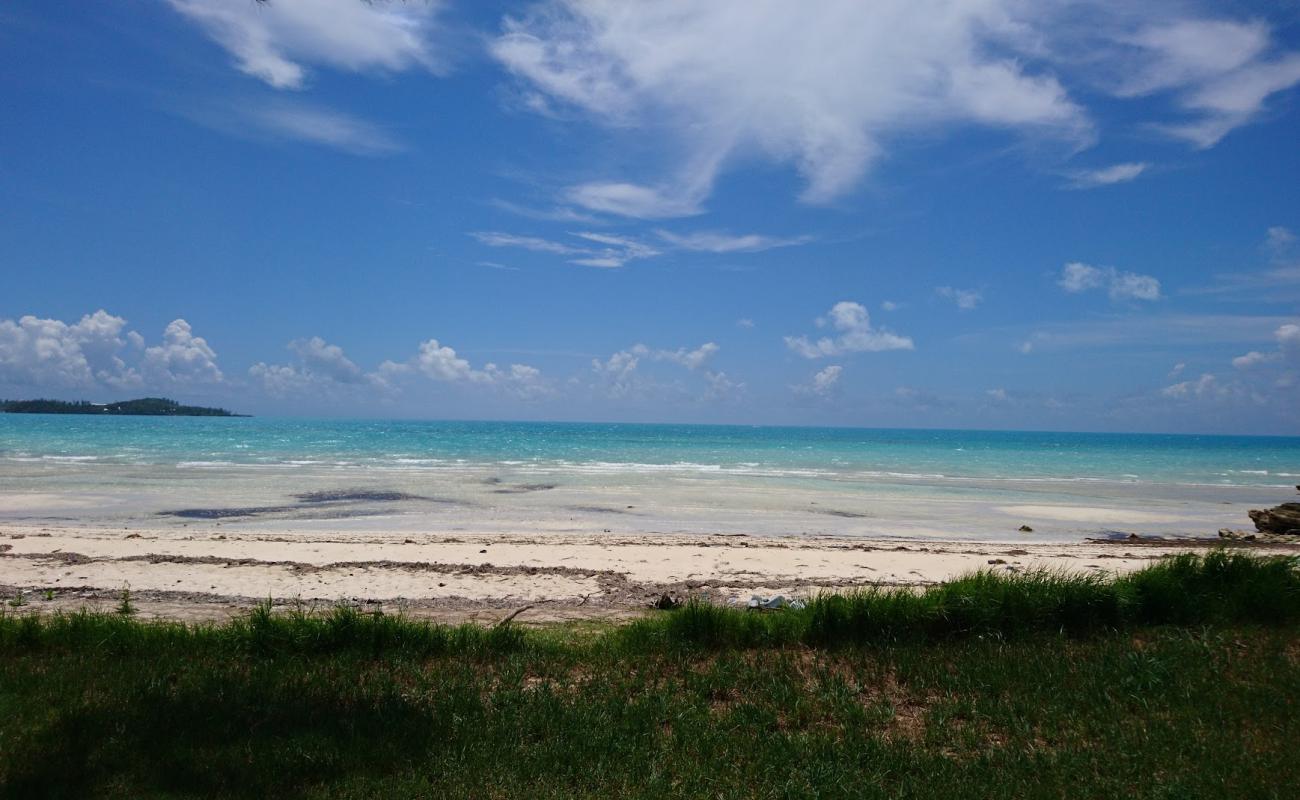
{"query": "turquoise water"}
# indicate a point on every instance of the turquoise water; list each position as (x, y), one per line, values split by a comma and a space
(650, 449)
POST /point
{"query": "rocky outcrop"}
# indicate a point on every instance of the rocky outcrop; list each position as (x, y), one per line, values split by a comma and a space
(1282, 520)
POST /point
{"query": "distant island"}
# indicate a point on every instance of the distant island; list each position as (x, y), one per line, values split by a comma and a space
(143, 407)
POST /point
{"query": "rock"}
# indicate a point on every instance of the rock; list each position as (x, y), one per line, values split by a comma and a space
(1239, 536)
(997, 561)
(665, 603)
(1025, 529)
(1283, 519)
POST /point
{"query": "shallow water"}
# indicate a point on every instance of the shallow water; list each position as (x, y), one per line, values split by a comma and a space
(487, 476)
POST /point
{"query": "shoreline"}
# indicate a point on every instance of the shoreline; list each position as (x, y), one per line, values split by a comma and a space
(208, 573)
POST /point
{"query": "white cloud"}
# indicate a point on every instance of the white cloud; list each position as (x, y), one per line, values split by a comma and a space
(619, 371)
(721, 386)
(441, 363)
(1106, 176)
(1078, 277)
(1205, 385)
(182, 357)
(1279, 240)
(281, 120)
(636, 201)
(1221, 73)
(821, 91)
(825, 381)
(966, 299)
(1253, 358)
(745, 322)
(49, 352)
(855, 334)
(1288, 349)
(614, 251)
(322, 367)
(1262, 379)
(889, 305)
(719, 242)
(275, 41)
(326, 359)
(691, 359)
(998, 394)
(324, 127)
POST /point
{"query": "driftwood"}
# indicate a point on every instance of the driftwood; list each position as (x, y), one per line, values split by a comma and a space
(513, 614)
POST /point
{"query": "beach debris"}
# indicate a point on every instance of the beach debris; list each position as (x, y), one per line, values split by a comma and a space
(666, 603)
(997, 561)
(1283, 519)
(1025, 529)
(512, 616)
(775, 603)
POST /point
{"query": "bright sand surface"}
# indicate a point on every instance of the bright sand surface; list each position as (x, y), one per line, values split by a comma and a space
(209, 571)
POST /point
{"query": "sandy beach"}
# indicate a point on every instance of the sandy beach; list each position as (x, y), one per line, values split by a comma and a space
(210, 572)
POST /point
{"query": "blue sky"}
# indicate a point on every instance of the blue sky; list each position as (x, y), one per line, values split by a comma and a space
(951, 213)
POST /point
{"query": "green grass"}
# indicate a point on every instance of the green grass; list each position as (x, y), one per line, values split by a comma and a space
(1182, 680)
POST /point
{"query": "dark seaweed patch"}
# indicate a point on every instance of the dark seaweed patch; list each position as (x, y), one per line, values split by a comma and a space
(225, 513)
(354, 496)
(521, 488)
(834, 512)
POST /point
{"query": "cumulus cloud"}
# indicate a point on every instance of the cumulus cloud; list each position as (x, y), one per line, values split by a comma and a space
(736, 78)
(1106, 176)
(1202, 386)
(439, 362)
(326, 359)
(1078, 277)
(322, 367)
(182, 357)
(1288, 349)
(853, 333)
(620, 377)
(1262, 378)
(275, 42)
(52, 353)
(823, 383)
(92, 353)
(966, 299)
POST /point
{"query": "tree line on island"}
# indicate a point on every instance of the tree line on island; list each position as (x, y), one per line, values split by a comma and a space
(142, 407)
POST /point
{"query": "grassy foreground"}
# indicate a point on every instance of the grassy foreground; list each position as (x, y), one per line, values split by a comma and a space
(1182, 680)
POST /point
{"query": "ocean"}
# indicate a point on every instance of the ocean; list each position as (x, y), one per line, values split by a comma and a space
(641, 478)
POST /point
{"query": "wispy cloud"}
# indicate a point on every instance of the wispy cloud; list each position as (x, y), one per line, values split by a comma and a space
(276, 41)
(1106, 176)
(721, 78)
(721, 242)
(282, 120)
(613, 251)
(965, 299)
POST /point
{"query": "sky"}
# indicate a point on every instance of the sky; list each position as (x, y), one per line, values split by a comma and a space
(996, 214)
